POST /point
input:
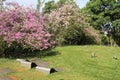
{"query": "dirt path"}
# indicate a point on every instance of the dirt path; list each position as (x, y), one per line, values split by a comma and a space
(4, 78)
(5, 71)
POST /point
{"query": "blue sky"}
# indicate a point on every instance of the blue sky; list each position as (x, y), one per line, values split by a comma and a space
(81, 3)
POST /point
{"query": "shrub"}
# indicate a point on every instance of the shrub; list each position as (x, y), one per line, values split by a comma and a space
(2, 47)
(67, 25)
(116, 31)
(25, 27)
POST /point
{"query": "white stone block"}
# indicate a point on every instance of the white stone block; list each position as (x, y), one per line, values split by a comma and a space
(20, 60)
(26, 64)
(45, 70)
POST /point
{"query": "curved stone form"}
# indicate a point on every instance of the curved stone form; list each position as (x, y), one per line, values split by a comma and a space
(28, 64)
(20, 60)
(46, 70)
(38, 64)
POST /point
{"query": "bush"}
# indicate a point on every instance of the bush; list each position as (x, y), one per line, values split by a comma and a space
(2, 47)
(116, 31)
(25, 27)
(67, 25)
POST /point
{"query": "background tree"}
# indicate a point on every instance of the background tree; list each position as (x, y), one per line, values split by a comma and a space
(49, 6)
(103, 12)
(52, 5)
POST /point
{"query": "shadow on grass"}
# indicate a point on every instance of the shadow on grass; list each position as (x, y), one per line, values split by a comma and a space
(47, 53)
(31, 54)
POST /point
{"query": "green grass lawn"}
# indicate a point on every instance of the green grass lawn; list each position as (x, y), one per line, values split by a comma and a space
(76, 63)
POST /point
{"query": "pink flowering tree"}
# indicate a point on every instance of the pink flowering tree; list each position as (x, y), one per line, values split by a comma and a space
(24, 26)
(68, 26)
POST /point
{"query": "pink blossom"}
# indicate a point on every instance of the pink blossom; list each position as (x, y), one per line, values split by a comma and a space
(24, 26)
(18, 35)
(47, 35)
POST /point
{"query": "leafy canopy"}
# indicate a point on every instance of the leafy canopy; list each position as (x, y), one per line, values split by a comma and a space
(103, 12)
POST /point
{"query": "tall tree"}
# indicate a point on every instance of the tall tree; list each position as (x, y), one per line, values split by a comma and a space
(52, 5)
(49, 6)
(105, 13)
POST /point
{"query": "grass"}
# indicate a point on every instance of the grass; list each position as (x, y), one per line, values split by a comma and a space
(76, 63)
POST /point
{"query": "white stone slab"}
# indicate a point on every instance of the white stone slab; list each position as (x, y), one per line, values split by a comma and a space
(45, 70)
(20, 60)
(26, 64)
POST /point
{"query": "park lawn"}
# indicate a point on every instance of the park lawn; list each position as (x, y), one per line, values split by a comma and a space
(75, 62)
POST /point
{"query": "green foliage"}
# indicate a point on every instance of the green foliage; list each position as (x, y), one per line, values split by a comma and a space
(2, 47)
(104, 39)
(10, 50)
(102, 12)
(52, 5)
(116, 31)
(49, 6)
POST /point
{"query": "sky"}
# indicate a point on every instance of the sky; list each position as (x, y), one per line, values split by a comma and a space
(80, 3)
